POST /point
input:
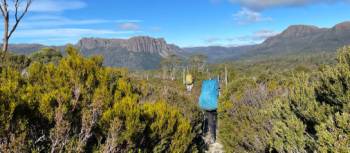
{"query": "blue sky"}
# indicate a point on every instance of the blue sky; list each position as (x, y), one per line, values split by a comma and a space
(182, 22)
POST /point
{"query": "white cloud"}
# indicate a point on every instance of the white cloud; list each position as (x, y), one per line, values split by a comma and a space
(245, 16)
(254, 38)
(56, 5)
(257, 36)
(67, 32)
(212, 40)
(60, 36)
(53, 21)
(263, 4)
(44, 16)
(46, 24)
(129, 26)
(215, 1)
(128, 20)
(263, 34)
(46, 28)
(58, 21)
(155, 29)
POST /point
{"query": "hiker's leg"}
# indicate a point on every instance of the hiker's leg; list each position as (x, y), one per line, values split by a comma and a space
(212, 125)
(214, 115)
(205, 122)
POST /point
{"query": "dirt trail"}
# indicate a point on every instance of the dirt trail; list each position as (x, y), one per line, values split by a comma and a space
(215, 148)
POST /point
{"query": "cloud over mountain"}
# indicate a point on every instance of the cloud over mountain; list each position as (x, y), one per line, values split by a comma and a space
(56, 5)
(263, 34)
(132, 26)
(264, 4)
(246, 16)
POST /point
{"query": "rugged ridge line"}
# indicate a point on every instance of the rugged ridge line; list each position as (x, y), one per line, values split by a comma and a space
(143, 44)
(140, 52)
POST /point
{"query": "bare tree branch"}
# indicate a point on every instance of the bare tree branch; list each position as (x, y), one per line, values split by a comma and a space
(4, 8)
(18, 19)
(1, 8)
(5, 5)
(16, 9)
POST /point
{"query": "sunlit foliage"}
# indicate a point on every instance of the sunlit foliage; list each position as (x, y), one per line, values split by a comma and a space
(74, 104)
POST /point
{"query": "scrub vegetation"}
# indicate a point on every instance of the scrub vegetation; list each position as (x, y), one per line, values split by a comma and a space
(68, 103)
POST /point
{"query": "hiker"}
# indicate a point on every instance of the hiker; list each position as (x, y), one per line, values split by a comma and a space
(208, 102)
(189, 82)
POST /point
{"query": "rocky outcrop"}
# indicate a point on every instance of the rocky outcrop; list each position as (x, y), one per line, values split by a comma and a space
(299, 31)
(342, 26)
(141, 44)
(136, 53)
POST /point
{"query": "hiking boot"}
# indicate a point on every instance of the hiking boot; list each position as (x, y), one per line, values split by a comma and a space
(211, 140)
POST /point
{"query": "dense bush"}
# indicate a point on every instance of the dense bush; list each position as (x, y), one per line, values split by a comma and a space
(246, 116)
(77, 105)
(46, 55)
(322, 103)
(18, 62)
(304, 112)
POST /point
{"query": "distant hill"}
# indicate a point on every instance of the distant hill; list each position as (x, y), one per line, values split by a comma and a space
(25, 48)
(216, 54)
(295, 39)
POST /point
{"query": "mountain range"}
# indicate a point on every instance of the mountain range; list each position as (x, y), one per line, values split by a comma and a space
(145, 52)
(295, 39)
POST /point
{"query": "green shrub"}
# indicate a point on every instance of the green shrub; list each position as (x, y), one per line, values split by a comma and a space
(46, 55)
(321, 103)
(77, 105)
(305, 112)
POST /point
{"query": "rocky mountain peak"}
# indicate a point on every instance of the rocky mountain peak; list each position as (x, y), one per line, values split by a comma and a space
(342, 26)
(149, 45)
(299, 30)
(142, 44)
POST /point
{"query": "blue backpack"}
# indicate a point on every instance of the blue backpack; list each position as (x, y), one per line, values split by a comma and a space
(208, 100)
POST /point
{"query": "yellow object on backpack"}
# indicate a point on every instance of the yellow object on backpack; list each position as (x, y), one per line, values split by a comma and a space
(189, 79)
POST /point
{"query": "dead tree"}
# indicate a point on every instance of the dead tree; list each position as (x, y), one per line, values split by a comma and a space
(20, 10)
